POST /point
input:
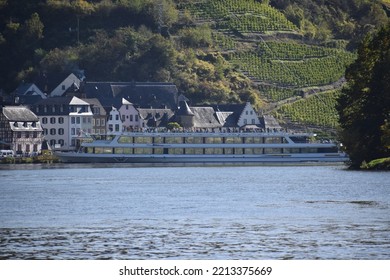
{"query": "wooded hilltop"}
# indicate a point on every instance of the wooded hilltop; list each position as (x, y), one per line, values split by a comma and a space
(287, 57)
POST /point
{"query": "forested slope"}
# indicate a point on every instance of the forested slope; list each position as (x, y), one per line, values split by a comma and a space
(268, 52)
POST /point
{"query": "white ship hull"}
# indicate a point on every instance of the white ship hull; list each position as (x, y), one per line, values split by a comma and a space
(224, 148)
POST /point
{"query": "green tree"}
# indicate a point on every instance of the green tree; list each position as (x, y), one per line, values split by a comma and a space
(364, 105)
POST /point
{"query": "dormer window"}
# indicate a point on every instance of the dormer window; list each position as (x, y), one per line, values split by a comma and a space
(15, 124)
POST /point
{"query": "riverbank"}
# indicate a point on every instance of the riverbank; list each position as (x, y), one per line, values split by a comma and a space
(34, 159)
(377, 164)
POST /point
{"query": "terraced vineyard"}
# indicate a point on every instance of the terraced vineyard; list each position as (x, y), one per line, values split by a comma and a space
(314, 110)
(282, 69)
(241, 16)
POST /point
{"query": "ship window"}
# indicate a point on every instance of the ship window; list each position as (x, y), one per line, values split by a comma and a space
(125, 139)
(158, 140)
(143, 140)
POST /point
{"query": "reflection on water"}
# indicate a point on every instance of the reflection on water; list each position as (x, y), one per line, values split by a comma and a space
(191, 240)
(79, 212)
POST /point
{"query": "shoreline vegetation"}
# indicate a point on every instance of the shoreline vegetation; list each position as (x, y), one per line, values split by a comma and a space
(377, 164)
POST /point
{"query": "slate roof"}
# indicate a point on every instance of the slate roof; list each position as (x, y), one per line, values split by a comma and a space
(205, 117)
(228, 114)
(270, 122)
(226, 119)
(156, 117)
(94, 102)
(144, 95)
(19, 114)
(50, 102)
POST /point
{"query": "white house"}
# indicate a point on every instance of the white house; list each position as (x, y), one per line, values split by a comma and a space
(129, 115)
(80, 125)
(114, 122)
(20, 130)
(70, 81)
(248, 116)
(53, 114)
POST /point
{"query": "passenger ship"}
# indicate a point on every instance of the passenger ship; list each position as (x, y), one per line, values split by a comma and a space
(205, 147)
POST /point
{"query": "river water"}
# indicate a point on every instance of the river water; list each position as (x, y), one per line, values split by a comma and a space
(226, 212)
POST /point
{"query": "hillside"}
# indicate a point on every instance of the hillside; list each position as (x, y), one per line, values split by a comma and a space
(274, 53)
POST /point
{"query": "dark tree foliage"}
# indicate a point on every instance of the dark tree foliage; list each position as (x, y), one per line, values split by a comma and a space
(364, 105)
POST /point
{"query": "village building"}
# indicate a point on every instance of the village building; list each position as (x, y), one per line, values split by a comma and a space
(141, 94)
(65, 120)
(20, 131)
(129, 116)
(114, 122)
(72, 82)
(155, 117)
(53, 114)
(99, 120)
(81, 116)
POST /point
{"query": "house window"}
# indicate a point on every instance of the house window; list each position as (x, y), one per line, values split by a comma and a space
(73, 120)
(103, 122)
(77, 131)
(53, 109)
(136, 118)
(117, 127)
(19, 148)
(89, 120)
(45, 109)
(52, 142)
(73, 131)
(35, 134)
(52, 131)
(117, 117)
(78, 120)
(97, 122)
(123, 118)
(19, 135)
(27, 135)
(35, 148)
(253, 121)
(245, 121)
(84, 120)
(62, 108)
(61, 131)
(61, 142)
(251, 112)
(73, 142)
(45, 131)
(246, 112)
(52, 120)
(60, 120)
(131, 118)
(44, 120)
(27, 148)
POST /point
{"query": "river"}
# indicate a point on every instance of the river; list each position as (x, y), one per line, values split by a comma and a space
(194, 212)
